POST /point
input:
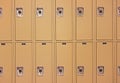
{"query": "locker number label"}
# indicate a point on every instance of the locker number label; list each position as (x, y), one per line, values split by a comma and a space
(60, 70)
(40, 71)
(19, 12)
(39, 12)
(1, 11)
(20, 71)
(80, 70)
(80, 11)
(60, 11)
(100, 11)
(1, 71)
(100, 70)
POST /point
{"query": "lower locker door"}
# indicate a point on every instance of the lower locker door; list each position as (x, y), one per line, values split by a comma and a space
(5, 63)
(43, 63)
(118, 62)
(64, 62)
(84, 63)
(23, 63)
(104, 62)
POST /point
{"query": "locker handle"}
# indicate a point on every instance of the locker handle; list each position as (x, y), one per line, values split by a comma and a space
(100, 70)
(1, 11)
(20, 71)
(1, 71)
(80, 70)
(40, 70)
(118, 11)
(80, 11)
(3, 43)
(100, 11)
(119, 70)
(19, 12)
(60, 11)
(39, 12)
(60, 70)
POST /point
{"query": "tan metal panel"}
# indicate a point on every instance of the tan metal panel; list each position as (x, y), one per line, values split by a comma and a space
(118, 19)
(5, 63)
(118, 63)
(63, 19)
(44, 63)
(104, 62)
(5, 19)
(23, 19)
(84, 17)
(104, 19)
(84, 63)
(24, 63)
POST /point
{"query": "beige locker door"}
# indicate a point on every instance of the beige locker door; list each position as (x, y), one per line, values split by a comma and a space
(43, 19)
(84, 19)
(5, 19)
(118, 62)
(118, 19)
(64, 62)
(84, 63)
(23, 19)
(44, 63)
(104, 62)
(104, 19)
(5, 63)
(64, 20)
(24, 63)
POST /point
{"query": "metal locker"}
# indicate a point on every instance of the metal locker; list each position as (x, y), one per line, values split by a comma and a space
(5, 19)
(84, 60)
(104, 19)
(5, 63)
(118, 19)
(104, 62)
(24, 63)
(43, 19)
(44, 62)
(64, 20)
(84, 24)
(23, 21)
(64, 62)
(118, 63)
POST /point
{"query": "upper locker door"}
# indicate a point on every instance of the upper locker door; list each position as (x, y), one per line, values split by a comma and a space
(5, 19)
(64, 62)
(6, 63)
(43, 19)
(23, 19)
(104, 19)
(84, 62)
(118, 19)
(24, 63)
(104, 62)
(84, 19)
(44, 63)
(118, 62)
(64, 20)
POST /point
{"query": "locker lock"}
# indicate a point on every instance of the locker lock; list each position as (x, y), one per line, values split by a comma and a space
(20, 71)
(19, 12)
(1, 71)
(1, 11)
(60, 70)
(60, 11)
(40, 70)
(80, 70)
(100, 11)
(118, 10)
(119, 70)
(39, 12)
(100, 70)
(80, 11)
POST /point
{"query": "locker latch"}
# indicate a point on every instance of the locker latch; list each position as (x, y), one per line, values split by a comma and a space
(19, 12)
(118, 10)
(40, 12)
(118, 70)
(1, 11)
(100, 11)
(80, 11)
(80, 70)
(20, 71)
(100, 70)
(40, 71)
(60, 70)
(60, 11)
(1, 71)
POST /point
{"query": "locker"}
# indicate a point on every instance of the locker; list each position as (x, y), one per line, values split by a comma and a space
(5, 63)
(118, 19)
(23, 19)
(44, 62)
(104, 19)
(5, 19)
(64, 20)
(64, 62)
(43, 19)
(84, 62)
(84, 19)
(118, 63)
(104, 62)
(24, 63)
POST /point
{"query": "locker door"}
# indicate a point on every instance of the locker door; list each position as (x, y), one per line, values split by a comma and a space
(43, 19)
(104, 62)
(84, 19)
(24, 63)
(118, 19)
(23, 19)
(44, 63)
(84, 63)
(5, 63)
(64, 62)
(5, 19)
(63, 20)
(118, 62)
(104, 19)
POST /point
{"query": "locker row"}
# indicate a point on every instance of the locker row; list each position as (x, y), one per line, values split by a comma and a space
(19, 18)
(63, 63)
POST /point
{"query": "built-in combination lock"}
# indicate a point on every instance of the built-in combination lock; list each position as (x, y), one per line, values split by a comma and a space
(20, 71)
(19, 12)
(60, 11)
(60, 70)
(39, 12)
(1, 11)
(100, 11)
(80, 11)
(40, 70)
(118, 11)
(80, 70)
(1, 71)
(119, 70)
(100, 70)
